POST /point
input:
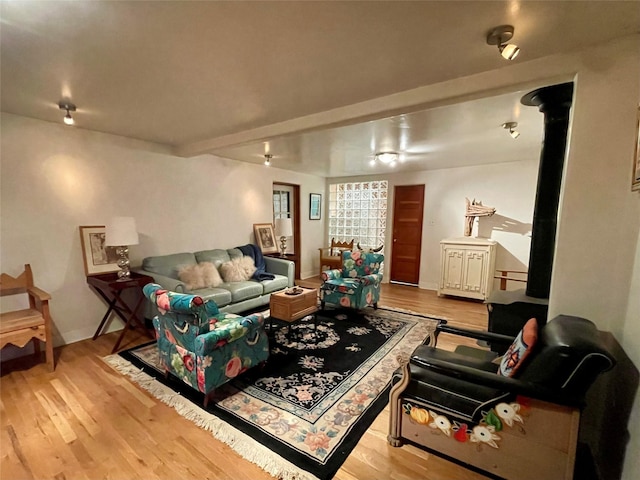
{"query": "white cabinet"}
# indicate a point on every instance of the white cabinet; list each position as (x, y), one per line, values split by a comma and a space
(467, 267)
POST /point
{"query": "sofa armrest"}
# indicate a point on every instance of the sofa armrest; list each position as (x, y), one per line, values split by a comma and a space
(245, 326)
(331, 274)
(475, 334)
(281, 266)
(371, 279)
(421, 358)
(167, 283)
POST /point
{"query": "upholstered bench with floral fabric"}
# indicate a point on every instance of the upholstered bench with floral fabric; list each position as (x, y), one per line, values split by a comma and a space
(202, 346)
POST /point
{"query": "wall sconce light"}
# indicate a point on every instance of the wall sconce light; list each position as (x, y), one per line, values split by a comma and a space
(511, 127)
(267, 159)
(386, 158)
(499, 36)
(69, 107)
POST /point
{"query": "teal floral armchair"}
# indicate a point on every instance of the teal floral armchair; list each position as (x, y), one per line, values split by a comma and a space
(357, 285)
(202, 346)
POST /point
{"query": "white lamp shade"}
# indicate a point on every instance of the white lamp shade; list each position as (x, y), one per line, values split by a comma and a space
(284, 227)
(121, 231)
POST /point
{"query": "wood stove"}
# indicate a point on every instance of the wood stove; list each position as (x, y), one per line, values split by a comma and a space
(509, 310)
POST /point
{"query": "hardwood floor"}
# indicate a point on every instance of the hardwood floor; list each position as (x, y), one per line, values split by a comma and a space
(86, 421)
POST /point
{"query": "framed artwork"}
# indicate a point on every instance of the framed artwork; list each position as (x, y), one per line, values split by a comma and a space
(315, 205)
(265, 238)
(635, 183)
(97, 257)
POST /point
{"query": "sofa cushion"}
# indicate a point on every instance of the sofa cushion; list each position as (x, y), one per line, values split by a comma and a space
(216, 256)
(243, 290)
(219, 295)
(276, 284)
(235, 253)
(168, 265)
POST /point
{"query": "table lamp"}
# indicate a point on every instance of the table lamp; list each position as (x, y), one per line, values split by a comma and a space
(284, 229)
(121, 232)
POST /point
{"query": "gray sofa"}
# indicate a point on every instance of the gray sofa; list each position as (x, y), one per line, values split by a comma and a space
(231, 297)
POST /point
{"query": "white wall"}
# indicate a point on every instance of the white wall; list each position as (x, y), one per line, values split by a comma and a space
(508, 187)
(631, 345)
(56, 178)
(599, 219)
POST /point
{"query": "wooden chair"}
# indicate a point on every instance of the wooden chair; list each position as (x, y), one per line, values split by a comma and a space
(332, 256)
(18, 327)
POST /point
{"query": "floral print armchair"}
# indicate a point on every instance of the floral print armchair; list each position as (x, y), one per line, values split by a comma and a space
(202, 346)
(357, 285)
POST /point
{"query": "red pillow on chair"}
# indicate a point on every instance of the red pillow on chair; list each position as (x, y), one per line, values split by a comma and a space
(519, 349)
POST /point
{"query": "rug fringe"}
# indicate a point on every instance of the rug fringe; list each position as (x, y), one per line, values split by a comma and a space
(243, 444)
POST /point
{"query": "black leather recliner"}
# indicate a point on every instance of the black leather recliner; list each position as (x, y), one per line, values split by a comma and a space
(525, 427)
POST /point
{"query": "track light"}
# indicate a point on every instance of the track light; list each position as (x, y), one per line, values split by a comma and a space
(499, 36)
(267, 159)
(511, 127)
(69, 107)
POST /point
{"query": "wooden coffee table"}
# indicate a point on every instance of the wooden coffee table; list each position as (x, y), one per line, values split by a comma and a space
(291, 308)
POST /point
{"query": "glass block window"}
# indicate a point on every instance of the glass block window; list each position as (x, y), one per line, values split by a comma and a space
(358, 211)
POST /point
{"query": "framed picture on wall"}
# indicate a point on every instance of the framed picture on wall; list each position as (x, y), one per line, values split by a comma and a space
(315, 205)
(635, 184)
(265, 238)
(97, 257)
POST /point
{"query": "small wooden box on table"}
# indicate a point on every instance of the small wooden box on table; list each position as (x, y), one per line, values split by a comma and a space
(293, 307)
(110, 289)
(290, 307)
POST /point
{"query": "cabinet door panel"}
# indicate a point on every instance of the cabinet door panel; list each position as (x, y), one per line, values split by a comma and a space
(453, 268)
(474, 272)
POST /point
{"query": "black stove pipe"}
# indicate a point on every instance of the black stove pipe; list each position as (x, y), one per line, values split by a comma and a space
(554, 102)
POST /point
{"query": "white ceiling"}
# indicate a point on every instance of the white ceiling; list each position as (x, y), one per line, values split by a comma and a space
(219, 77)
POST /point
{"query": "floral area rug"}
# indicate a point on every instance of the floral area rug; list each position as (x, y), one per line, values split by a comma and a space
(300, 416)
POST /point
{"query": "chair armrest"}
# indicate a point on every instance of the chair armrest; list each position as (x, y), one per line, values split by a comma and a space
(209, 341)
(39, 294)
(476, 334)
(371, 279)
(331, 274)
(422, 359)
(280, 266)
(167, 283)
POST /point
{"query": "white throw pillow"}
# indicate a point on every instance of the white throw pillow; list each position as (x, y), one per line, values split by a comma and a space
(201, 275)
(210, 274)
(237, 270)
(192, 276)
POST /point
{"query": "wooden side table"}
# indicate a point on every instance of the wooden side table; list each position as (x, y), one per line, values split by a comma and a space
(110, 289)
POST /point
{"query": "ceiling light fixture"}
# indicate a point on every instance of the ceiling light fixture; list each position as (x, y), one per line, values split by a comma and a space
(511, 127)
(386, 158)
(499, 36)
(69, 107)
(267, 159)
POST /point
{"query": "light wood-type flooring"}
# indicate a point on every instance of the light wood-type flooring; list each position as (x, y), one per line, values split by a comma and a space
(86, 421)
